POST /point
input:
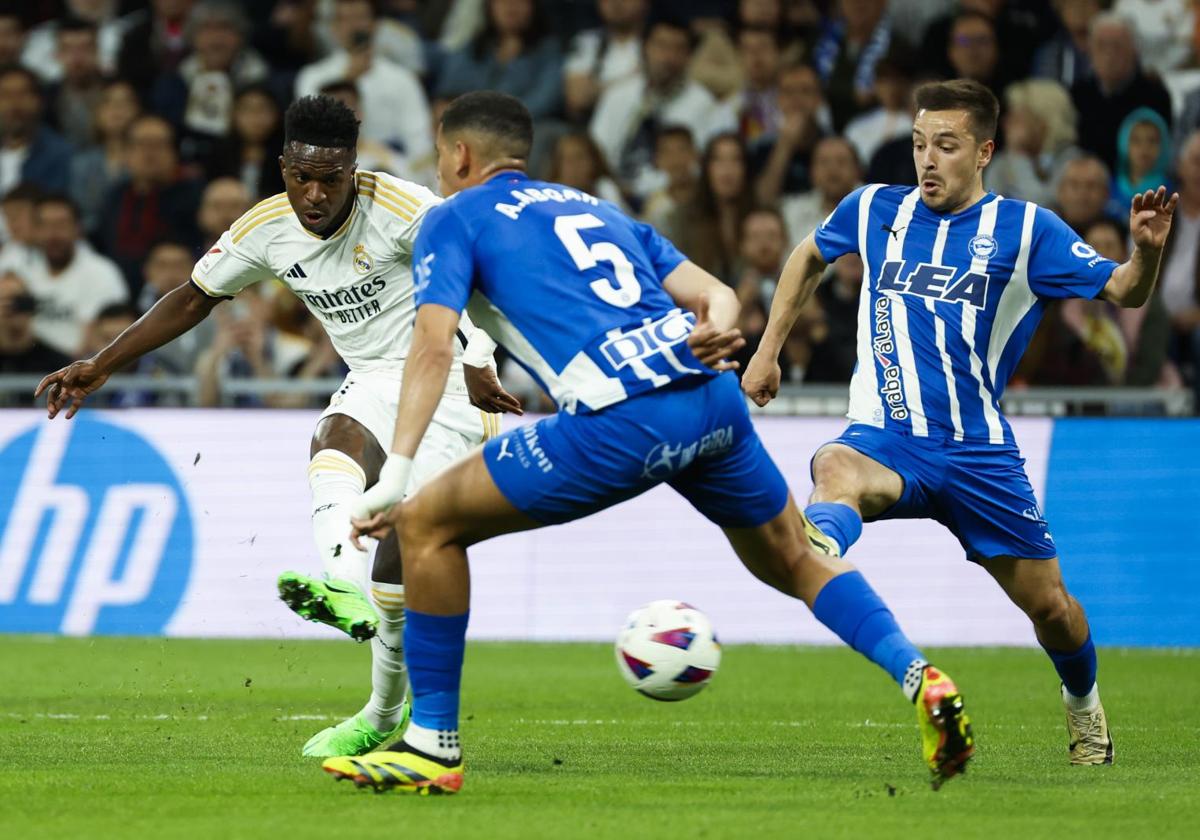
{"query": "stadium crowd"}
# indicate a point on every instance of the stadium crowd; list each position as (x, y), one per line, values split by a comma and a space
(133, 134)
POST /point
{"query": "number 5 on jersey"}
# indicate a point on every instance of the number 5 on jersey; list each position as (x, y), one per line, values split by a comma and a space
(627, 290)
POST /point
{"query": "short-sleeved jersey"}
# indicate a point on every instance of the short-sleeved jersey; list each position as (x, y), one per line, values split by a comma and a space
(567, 283)
(949, 303)
(357, 281)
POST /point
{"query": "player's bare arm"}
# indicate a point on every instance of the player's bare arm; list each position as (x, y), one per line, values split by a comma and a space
(1150, 215)
(176, 313)
(801, 274)
(425, 375)
(715, 338)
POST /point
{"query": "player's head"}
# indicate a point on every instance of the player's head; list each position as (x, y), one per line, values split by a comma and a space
(953, 139)
(320, 142)
(480, 134)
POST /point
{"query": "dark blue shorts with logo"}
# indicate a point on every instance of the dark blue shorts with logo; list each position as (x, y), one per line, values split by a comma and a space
(978, 490)
(695, 435)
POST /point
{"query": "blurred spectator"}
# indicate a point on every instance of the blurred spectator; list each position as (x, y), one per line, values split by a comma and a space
(71, 101)
(763, 241)
(109, 323)
(29, 149)
(70, 280)
(12, 34)
(1039, 132)
(1017, 28)
(1145, 331)
(41, 50)
(21, 351)
(761, 14)
(598, 58)
(152, 202)
(675, 158)
(1180, 272)
(1083, 196)
(1064, 58)
(169, 266)
(835, 344)
(835, 172)
(288, 38)
(893, 119)
(198, 96)
(716, 62)
(155, 44)
(374, 156)
(18, 208)
(630, 112)
(223, 203)
(852, 43)
(757, 104)
(1164, 31)
(393, 105)
(780, 162)
(708, 228)
(251, 154)
(514, 54)
(97, 167)
(578, 162)
(1115, 87)
(973, 51)
(1143, 155)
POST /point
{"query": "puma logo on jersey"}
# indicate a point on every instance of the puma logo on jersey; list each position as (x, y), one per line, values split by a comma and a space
(295, 273)
(504, 453)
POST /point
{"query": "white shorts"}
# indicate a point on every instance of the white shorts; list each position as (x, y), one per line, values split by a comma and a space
(372, 399)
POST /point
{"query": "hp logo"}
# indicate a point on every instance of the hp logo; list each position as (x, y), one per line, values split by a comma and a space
(95, 532)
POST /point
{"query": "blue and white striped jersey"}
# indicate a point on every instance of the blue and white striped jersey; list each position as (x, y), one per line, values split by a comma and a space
(949, 303)
(568, 284)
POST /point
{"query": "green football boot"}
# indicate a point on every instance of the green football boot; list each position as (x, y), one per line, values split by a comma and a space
(337, 603)
(353, 736)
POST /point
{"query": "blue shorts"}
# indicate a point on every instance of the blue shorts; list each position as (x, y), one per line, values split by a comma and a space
(979, 491)
(695, 435)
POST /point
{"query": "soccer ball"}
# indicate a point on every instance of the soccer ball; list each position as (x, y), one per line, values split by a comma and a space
(667, 650)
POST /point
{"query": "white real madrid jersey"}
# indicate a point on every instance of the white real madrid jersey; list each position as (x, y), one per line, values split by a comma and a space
(357, 281)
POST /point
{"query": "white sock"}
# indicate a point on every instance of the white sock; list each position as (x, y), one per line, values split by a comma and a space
(389, 677)
(912, 679)
(336, 481)
(439, 743)
(1086, 703)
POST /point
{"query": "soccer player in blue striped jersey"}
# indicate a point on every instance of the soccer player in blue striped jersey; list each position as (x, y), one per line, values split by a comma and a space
(631, 340)
(955, 281)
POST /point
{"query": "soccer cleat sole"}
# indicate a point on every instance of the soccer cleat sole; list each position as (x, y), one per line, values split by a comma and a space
(447, 785)
(301, 600)
(959, 744)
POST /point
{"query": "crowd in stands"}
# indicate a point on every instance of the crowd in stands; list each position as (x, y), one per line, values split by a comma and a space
(133, 134)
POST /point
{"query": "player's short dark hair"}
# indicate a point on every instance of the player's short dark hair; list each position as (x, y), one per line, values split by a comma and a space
(502, 118)
(962, 95)
(59, 198)
(320, 121)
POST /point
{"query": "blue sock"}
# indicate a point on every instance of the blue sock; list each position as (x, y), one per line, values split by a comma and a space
(837, 521)
(1076, 669)
(849, 607)
(433, 650)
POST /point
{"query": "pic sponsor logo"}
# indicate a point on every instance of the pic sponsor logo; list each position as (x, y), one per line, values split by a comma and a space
(96, 535)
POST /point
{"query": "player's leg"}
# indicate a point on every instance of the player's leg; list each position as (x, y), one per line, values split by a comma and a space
(1036, 586)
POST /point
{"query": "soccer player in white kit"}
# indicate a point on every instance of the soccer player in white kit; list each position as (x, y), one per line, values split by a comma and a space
(341, 240)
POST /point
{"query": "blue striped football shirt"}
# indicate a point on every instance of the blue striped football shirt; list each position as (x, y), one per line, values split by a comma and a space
(949, 302)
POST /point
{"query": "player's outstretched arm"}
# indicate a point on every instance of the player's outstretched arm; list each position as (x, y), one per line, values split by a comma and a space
(714, 338)
(800, 277)
(1150, 214)
(177, 312)
(425, 373)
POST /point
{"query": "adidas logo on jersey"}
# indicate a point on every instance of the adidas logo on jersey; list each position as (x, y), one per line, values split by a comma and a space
(295, 273)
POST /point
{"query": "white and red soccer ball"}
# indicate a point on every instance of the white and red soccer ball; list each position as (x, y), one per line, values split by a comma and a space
(667, 650)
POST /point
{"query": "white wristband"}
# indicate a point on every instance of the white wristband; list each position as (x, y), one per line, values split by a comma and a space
(393, 482)
(479, 350)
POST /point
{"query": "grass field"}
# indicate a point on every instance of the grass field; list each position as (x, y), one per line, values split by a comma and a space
(171, 738)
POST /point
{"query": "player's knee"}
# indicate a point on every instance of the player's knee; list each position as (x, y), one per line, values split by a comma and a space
(1050, 608)
(832, 469)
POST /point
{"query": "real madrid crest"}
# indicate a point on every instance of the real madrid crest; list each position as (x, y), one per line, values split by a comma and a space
(362, 260)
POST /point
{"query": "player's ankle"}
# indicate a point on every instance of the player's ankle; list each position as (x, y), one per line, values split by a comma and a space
(440, 744)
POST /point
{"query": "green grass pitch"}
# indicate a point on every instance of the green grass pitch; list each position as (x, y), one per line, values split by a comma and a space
(172, 738)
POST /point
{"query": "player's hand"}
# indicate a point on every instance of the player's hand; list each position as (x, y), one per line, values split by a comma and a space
(713, 346)
(70, 387)
(761, 380)
(1150, 217)
(377, 527)
(486, 392)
